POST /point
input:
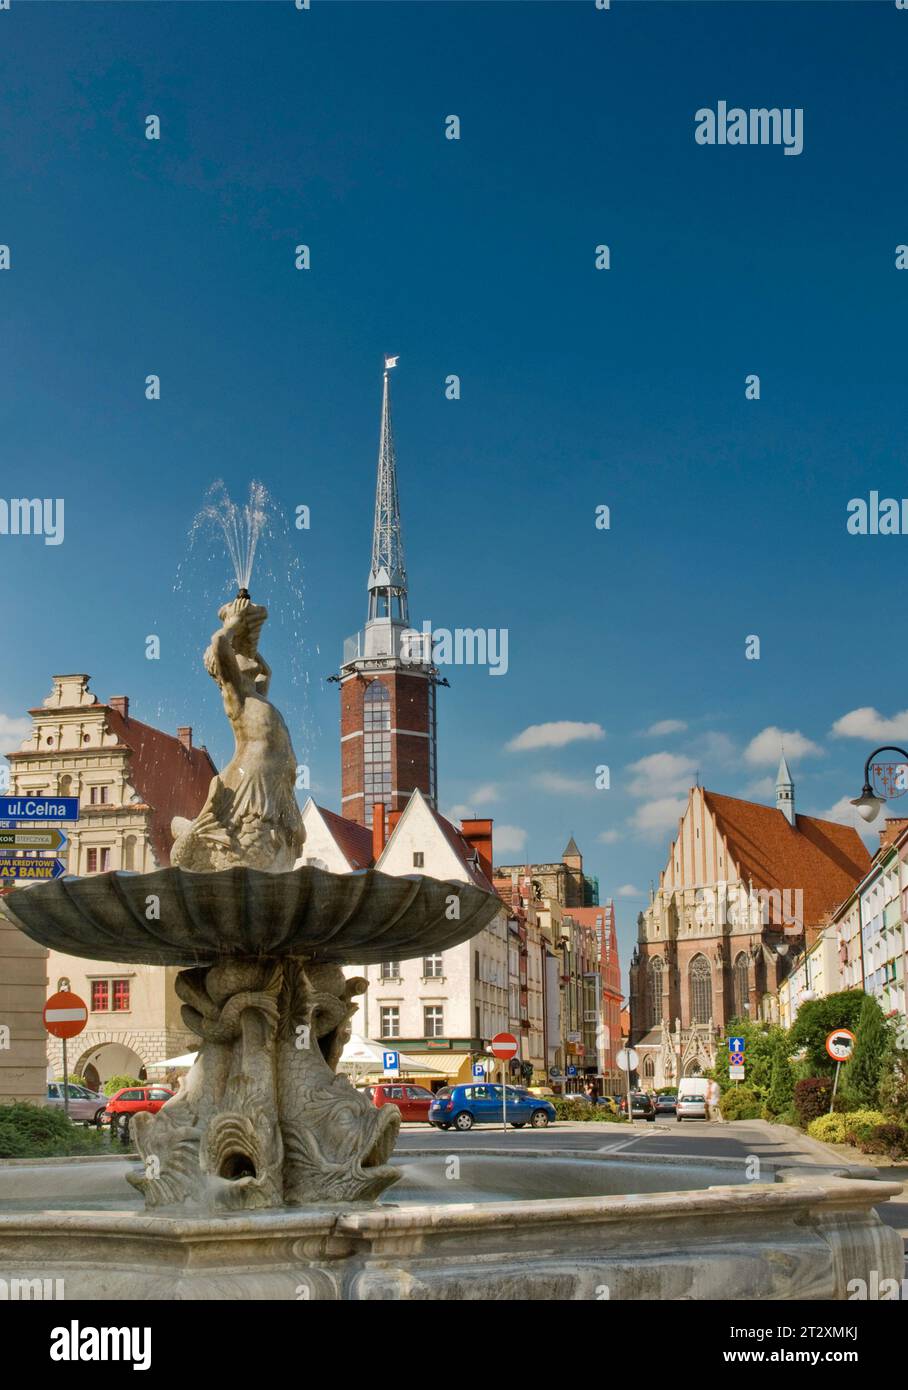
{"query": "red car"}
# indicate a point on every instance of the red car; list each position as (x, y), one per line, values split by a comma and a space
(412, 1101)
(133, 1099)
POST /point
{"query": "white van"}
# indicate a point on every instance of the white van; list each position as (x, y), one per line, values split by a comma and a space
(691, 1103)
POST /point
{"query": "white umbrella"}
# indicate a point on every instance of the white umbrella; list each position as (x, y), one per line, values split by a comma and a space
(186, 1060)
(362, 1055)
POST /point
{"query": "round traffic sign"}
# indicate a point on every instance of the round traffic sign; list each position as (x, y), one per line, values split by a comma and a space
(840, 1044)
(503, 1046)
(65, 1014)
(627, 1059)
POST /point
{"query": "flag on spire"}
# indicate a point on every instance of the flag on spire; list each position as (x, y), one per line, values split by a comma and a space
(391, 362)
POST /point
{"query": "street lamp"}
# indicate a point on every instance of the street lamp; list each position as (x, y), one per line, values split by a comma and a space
(868, 803)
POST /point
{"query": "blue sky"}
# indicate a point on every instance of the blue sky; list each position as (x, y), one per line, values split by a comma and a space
(579, 387)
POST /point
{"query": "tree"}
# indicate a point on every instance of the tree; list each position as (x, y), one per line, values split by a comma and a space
(817, 1019)
(760, 1042)
(781, 1077)
(861, 1076)
(894, 1080)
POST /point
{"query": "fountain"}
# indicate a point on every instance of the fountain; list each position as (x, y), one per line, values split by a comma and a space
(260, 1177)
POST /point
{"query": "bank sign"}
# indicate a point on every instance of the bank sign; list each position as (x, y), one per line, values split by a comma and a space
(43, 808)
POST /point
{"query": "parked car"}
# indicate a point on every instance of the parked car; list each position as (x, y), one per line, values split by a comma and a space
(413, 1102)
(642, 1107)
(609, 1102)
(691, 1103)
(462, 1107)
(132, 1100)
(666, 1105)
(85, 1106)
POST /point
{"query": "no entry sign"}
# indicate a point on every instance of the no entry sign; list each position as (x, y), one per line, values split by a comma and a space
(504, 1046)
(65, 1014)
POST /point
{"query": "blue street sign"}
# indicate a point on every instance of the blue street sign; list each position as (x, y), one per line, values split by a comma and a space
(572, 1071)
(30, 870)
(43, 808)
(478, 1069)
(736, 1044)
(391, 1061)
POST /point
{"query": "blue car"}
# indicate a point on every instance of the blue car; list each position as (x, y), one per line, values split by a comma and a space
(462, 1107)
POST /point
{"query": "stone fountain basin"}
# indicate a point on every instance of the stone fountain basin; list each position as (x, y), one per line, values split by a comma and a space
(360, 918)
(800, 1237)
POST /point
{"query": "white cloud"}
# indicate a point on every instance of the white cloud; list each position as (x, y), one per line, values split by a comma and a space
(554, 735)
(628, 890)
(868, 723)
(665, 726)
(845, 814)
(766, 746)
(507, 838)
(661, 773)
(764, 786)
(13, 731)
(609, 837)
(484, 794)
(569, 786)
(655, 817)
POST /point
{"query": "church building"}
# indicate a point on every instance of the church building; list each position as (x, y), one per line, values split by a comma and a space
(745, 887)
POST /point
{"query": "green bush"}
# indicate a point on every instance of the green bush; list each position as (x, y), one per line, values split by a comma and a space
(816, 1019)
(741, 1103)
(116, 1083)
(889, 1139)
(860, 1081)
(861, 1123)
(37, 1131)
(568, 1109)
(894, 1080)
(787, 1117)
(829, 1129)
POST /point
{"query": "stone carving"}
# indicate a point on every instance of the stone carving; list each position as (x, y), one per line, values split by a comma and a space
(251, 816)
(262, 1119)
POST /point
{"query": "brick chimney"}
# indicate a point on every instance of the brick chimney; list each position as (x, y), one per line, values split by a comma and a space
(378, 829)
(184, 734)
(393, 818)
(891, 831)
(478, 833)
(121, 704)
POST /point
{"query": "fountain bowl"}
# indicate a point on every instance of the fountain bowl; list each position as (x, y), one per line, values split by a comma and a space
(178, 917)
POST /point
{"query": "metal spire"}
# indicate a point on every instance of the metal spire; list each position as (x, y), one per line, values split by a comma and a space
(388, 576)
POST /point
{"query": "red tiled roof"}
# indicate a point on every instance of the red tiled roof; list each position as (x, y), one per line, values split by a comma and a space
(353, 840)
(171, 778)
(825, 860)
(464, 851)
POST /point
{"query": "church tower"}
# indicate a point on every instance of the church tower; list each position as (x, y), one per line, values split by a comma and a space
(785, 792)
(387, 680)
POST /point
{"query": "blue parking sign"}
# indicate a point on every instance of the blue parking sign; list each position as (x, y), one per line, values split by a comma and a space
(478, 1069)
(571, 1071)
(391, 1062)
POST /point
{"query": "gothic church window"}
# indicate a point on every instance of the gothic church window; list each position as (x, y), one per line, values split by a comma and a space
(701, 990)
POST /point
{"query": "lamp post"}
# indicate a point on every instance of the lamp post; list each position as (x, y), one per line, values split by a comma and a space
(868, 803)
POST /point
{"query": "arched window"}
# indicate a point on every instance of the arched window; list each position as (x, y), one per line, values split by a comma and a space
(742, 987)
(376, 746)
(654, 992)
(701, 990)
(649, 1067)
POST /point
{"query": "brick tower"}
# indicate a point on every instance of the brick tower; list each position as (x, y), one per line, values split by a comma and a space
(387, 680)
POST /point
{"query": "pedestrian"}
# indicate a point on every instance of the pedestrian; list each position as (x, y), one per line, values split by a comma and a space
(591, 1093)
(713, 1097)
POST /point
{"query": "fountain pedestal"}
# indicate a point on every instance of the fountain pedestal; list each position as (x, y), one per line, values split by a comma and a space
(262, 1120)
